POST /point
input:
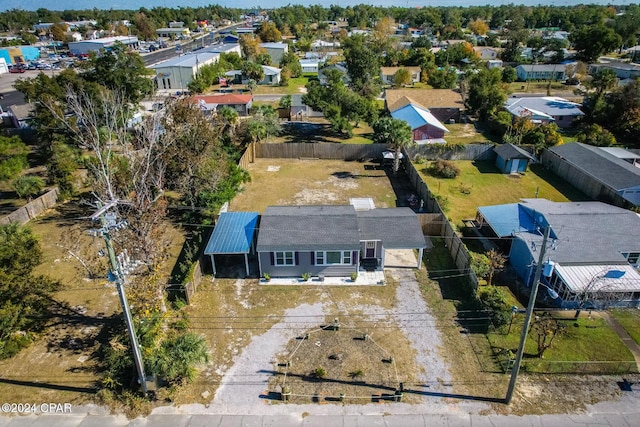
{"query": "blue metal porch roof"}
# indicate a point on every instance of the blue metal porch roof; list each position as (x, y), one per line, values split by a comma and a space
(233, 233)
(507, 219)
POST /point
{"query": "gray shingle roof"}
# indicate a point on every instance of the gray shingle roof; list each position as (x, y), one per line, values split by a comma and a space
(510, 151)
(605, 167)
(398, 228)
(299, 228)
(589, 232)
(304, 228)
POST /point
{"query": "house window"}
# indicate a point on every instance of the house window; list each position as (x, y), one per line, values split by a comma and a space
(633, 257)
(333, 258)
(284, 258)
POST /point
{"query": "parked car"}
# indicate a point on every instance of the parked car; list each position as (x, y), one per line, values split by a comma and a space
(16, 69)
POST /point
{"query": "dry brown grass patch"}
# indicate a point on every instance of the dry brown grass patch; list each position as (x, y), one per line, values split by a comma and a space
(326, 363)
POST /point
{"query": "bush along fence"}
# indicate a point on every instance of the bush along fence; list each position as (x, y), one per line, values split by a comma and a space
(32, 209)
(459, 253)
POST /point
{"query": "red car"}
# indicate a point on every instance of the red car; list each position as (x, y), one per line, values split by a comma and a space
(16, 69)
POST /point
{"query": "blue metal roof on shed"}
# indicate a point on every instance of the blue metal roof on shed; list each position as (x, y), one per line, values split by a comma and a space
(233, 233)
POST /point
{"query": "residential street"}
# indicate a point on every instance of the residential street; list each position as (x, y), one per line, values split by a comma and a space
(624, 412)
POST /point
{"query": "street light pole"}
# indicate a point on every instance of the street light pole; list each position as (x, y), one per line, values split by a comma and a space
(527, 319)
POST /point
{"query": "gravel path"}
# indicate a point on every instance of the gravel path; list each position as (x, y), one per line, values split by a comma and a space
(244, 385)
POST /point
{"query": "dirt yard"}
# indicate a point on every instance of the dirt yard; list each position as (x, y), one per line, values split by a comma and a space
(314, 182)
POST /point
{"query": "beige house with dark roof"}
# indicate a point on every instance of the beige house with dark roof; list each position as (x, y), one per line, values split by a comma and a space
(387, 74)
(444, 104)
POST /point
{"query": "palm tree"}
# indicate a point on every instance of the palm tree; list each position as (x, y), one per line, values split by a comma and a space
(396, 133)
(230, 117)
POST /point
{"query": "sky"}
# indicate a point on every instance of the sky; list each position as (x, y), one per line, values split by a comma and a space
(137, 4)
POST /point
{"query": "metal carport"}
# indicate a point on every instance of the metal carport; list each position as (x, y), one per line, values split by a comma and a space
(232, 235)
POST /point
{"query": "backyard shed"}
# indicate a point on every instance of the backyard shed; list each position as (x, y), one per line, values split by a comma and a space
(511, 158)
(233, 235)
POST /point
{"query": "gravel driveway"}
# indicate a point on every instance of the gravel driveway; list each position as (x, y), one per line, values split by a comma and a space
(247, 380)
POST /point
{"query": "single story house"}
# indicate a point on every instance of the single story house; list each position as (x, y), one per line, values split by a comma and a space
(272, 76)
(596, 172)
(387, 74)
(276, 51)
(340, 67)
(332, 240)
(511, 158)
(85, 46)
(486, 53)
(494, 63)
(300, 110)
(310, 65)
(425, 127)
(623, 70)
(592, 256)
(321, 45)
(230, 39)
(544, 109)
(176, 73)
(446, 105)
(240, 102)
(555, 72)
(20, 115)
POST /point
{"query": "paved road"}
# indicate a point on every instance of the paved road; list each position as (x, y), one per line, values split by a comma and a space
(623, 412)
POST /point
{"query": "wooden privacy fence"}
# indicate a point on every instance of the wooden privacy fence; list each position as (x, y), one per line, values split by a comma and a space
(457, 249)
(32, 209)
(320, 151)
(349, 152)
(452, 152)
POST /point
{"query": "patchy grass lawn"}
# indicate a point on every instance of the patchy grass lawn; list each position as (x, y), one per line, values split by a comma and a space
(314, 182)
(465, 133)
(585, 340)
(246, 309)
(294, 86)
(476, 371)
(319, 130)
(630, 321)
(481, 184)
(348, 363)
(63, 364)
(540, 87)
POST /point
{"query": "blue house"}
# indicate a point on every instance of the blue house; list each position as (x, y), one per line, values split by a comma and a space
(512, 159)
(593, 256)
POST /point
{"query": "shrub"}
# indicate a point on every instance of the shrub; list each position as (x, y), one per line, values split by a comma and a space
(444, 169)
(306, 276)
(28, 186)
(319, 372)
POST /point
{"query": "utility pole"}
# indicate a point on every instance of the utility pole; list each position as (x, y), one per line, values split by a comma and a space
(527, 319)
(119, 280)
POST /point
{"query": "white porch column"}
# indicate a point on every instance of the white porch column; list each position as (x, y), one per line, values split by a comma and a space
(420, 251)
(213, 264)
(246, 263)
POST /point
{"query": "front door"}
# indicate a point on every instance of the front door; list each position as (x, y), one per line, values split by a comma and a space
(370, 250)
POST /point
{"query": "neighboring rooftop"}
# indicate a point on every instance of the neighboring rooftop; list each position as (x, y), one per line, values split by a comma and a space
(600, 164)
(189, 60)
(543, 105)
(586, 232)
(427, 98)
(417, 116)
